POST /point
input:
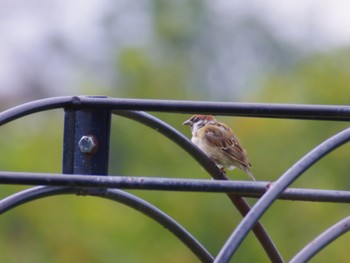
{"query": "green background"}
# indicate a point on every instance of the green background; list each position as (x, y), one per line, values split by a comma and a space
(89, 229)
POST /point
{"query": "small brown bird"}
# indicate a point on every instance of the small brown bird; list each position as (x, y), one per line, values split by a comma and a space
(219, 143)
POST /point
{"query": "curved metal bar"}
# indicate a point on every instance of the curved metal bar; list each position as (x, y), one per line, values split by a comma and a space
(35, 106)
(243, 188)
(262, 110)
(31, 194)
(127, 199)
(322, 241)
(276, 189)
(174, 135)
(163, 219)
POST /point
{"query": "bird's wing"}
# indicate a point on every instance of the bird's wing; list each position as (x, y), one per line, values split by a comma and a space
(223, 138)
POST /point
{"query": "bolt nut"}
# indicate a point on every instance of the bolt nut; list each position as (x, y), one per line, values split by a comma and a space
(87, 144)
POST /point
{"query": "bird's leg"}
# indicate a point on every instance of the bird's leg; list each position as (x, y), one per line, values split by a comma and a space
(222, 170)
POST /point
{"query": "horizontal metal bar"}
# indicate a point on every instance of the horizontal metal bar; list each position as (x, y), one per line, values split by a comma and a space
(262, 110)
(243, 188)
(266, 110)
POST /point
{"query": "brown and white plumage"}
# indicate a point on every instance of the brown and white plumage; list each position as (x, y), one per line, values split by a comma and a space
(219, 143)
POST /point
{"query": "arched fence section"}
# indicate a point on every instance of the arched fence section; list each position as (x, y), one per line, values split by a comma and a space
(87, 124)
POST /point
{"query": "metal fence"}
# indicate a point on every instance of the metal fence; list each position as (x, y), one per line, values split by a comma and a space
(85, 166)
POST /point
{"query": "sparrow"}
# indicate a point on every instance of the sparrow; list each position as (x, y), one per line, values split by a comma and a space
(219, 143)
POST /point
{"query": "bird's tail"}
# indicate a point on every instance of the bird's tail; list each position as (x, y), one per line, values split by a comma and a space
(249, 172)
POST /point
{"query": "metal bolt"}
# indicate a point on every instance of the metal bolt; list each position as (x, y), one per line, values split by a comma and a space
(87, 144)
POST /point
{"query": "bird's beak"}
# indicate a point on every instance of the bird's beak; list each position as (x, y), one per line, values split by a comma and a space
(188, 123)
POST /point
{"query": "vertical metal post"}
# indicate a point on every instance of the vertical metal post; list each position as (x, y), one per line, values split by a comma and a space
(86, 141)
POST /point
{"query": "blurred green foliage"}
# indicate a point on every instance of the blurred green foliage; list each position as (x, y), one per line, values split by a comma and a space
(87, 229)
(70, 229)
